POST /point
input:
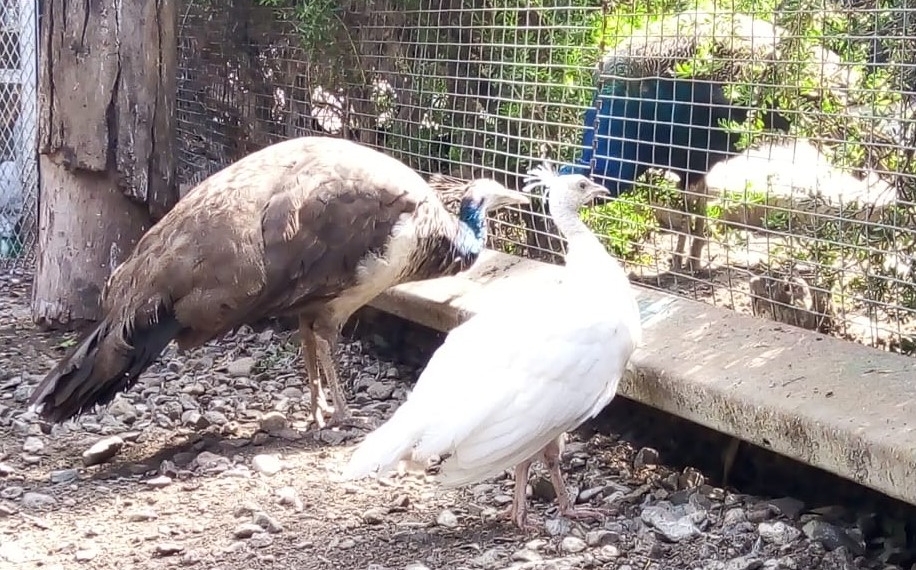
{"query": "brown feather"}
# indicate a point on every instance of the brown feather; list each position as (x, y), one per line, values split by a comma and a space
(281, 231)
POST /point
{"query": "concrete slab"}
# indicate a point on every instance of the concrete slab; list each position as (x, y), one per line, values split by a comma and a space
(830, 403)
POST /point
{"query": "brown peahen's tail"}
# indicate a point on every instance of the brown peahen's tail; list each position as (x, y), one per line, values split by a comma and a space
(106, 360)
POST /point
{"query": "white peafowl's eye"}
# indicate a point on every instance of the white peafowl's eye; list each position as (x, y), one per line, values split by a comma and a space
(582, 185)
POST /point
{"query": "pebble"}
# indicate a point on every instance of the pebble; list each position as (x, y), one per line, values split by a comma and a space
(33, 445)
(159, 482)
(86, 554)
(168, 549)
(247, 530)
(669, 524)
(290, 497)
(374, 515)
(447, 519)
(11, 492)
(63, 475)
(572, 545)
(273, 422)
(380, 390)
(601, 537)
(831, 536)
(644, 457)
(102, 450)
(35, 500)
(267, 522)
(778, 532)
(240, 367)
(142, 515)
(267, 464)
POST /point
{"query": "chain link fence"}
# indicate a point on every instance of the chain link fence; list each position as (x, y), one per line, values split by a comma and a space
(18, 134)
(761, 152)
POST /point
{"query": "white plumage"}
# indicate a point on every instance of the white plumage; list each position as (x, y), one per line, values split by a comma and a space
(508, 383)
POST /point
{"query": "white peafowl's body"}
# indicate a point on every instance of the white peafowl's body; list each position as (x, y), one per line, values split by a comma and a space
(507, 384)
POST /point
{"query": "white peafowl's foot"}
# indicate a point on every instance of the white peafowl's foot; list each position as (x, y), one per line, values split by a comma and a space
(518, 516)
(585, 513)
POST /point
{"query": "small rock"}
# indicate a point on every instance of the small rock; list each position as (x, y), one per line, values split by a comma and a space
(86, 554)
(267, 522)
(447, 519)
(6, 469)
(273, 422)
(142, 515)
(63, 475)
(34, 500)
(832, 537)
(668, 524)
(644, 457)
(195, 389)
(240, 367)
(414, 566)
(215, 418)
(787, 506)
(572, 545)
(247, 530)
(380, 390)
(194, 419)
(778, 533)
(33, 445)
(526, 555)
(102, 450)
(607, 553)
(168, 549)
(557, 527)
(209, 462)
(267, 464)
(11, 492)
(601, 537)
(159, 482)
(346, 544)
(374, 515)
(7, 510)
(123, 410)
(290, 497)
(747, 562)
(733, 517)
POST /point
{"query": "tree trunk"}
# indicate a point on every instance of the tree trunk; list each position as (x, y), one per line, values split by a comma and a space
(106, 135)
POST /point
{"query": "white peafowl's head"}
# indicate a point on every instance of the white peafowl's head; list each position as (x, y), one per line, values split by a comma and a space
(565, 192)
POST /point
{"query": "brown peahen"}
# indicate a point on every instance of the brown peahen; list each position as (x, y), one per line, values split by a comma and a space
(313, 227)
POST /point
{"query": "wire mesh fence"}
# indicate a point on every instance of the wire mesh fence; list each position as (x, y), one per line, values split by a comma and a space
(760, 152)
(18, 134)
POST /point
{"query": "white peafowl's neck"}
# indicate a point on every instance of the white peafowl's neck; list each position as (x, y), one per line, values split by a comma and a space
(585, 254)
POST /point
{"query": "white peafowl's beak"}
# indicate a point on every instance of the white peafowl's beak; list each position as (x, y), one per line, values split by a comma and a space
(596, 191)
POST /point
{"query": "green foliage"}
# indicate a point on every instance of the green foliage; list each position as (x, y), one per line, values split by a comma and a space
(501, 83)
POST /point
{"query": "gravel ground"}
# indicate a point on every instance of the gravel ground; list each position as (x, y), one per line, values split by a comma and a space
(206, 464)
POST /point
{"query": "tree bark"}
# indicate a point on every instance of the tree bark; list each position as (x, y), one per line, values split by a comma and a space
(106, 159)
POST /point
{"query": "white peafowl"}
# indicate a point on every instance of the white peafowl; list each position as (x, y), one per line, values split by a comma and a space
(508, 383)
(313, 227)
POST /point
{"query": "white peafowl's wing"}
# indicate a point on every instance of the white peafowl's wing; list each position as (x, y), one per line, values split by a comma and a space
(504, 384)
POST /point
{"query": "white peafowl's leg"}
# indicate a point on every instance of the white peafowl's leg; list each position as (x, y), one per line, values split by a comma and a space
(551, 455)
(518, 510)
(319, 403)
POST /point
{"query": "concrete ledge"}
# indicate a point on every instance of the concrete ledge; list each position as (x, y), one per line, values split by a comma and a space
(846, 408)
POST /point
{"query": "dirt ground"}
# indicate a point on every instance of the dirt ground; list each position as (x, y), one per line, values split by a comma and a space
(218, 471)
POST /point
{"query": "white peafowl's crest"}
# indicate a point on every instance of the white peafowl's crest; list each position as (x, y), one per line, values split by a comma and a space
(541, 175)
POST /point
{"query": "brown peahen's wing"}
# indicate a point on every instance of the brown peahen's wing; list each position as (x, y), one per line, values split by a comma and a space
(263, 235)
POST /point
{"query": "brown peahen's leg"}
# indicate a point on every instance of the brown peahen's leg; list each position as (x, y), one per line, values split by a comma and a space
(327, 340)
(318, 403)
(551, 455)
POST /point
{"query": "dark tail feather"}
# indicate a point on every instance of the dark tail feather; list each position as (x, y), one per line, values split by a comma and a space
(105, 361)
